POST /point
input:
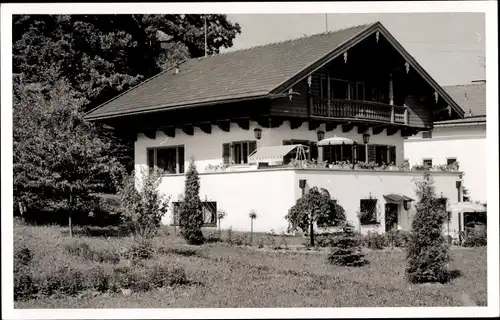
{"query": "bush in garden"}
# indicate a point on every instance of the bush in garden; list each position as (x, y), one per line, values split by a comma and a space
(374, 241)
(397, 238)
(141, 249)
(160, 275)
(427, 252)
(191, 214)
(346, 249)
(61, 280)
(24, 286)
(315, 206)
(475, 238)
(143, 206)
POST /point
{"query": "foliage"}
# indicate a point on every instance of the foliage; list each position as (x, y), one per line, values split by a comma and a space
(427, 252)
(397, 238)
(143, 205)
(104, 54)
(374, 241)
(141, 249)
(252, 215)
(83, 250)
(475, 238)
(315, 206)
(346, 250)
(60, 162)
(191, 214)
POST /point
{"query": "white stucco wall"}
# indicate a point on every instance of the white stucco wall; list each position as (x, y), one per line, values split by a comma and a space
(466, 143)
(271, 193)
(207, 148)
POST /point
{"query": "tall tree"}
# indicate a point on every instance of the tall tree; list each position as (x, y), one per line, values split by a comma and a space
(59, 160)
(191, 214)
(101, 55)
(427, 252)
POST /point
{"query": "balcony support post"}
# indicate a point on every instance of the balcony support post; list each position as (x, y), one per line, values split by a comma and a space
(391, 91)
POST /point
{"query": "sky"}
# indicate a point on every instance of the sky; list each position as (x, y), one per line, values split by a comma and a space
(450, 46)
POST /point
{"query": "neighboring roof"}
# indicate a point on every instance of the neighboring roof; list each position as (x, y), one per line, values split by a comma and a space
(272, 153)
(469, 97)
(461, 122)
(472, 99)
(258, 72)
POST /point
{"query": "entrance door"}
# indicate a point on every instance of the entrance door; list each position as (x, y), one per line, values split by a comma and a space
(391, 216)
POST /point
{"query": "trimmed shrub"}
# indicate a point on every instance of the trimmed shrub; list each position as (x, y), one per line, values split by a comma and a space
(427, 251)
(346, 249)
(191, 214)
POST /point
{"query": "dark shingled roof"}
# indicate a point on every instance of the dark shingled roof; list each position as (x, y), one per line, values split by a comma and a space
(242, 73)
(469, 97)
(258, 72)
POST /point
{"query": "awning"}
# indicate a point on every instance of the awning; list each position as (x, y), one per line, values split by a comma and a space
(335, 141)
(467, 207)
(272, 153)
(397, 198)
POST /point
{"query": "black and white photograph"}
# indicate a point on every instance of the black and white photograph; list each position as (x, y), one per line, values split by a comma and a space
(263, 160)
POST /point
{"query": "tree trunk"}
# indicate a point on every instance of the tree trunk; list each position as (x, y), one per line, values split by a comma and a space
(311, 232)
(251, 232)
(70, 225)
(70, 211)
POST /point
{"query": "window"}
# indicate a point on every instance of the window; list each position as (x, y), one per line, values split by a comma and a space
(209, 209)
(381, 154)
(170, 159)
(368, 211)
(360, 91)
(339, 89)
(427, 162)
(451, 161)
(336, 153)
(237, 152)
(426, 134)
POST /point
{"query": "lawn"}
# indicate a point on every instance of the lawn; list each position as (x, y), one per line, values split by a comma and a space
(228, 276)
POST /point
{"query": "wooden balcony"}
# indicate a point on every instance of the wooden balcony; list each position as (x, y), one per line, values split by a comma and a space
(355, 109)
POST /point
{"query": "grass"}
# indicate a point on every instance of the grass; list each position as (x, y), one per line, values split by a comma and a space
(226, 276)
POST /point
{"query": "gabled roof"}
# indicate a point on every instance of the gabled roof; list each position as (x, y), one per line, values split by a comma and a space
(258, 72)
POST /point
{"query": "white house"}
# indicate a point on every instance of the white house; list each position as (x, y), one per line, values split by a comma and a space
(358, 83)
(458, 140)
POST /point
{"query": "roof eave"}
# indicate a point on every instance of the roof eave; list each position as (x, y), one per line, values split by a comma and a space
(160, 108)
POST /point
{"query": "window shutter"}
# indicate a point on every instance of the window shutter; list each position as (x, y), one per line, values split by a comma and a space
(371, 153)
(392, 154)
(287, 142)
(225, 153)
(252, 146)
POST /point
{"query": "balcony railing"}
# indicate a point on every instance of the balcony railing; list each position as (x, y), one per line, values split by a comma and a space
(366, 110)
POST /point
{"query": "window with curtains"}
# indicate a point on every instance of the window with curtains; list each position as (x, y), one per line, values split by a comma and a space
(169, 159)
(237, 152)
(313, 148)
(381, 154)
(368, 211)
